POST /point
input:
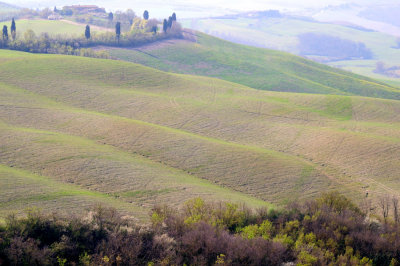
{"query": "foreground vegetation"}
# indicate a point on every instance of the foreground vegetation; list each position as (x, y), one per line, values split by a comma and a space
(329, 230)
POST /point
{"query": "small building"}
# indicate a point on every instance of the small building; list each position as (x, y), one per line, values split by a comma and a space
(55, 16)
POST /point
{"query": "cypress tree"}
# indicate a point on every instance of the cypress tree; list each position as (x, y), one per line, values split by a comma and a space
(5, 32)
(165, 26)
(13, 29)
(146, 15)
(170, 22)
(87, 32)
(174, 16)
(118, 30)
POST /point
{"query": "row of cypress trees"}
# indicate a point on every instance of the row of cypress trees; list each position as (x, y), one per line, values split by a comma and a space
(13, 31)
(167, 24)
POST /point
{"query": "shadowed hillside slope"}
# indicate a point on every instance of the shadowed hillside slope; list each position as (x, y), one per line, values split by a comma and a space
(101, 129)
(254, 67)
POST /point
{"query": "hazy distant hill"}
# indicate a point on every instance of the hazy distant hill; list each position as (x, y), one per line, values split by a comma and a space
(4, 7)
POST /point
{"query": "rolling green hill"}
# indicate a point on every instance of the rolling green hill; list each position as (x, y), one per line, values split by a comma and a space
(283, 34)
(78, 131)
(254, 67)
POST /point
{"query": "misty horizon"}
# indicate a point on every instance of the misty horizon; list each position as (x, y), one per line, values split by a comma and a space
(193, 9)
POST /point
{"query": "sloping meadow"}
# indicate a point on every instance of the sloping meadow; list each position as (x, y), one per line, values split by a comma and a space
(107, 130)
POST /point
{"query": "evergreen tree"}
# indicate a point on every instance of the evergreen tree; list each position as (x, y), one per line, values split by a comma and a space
(174, 16)
(55, 9)
(146, 15)
(13, 29)
(110, 16)
(170, 22)
(118, 30)
(165, 26)
(87, 32)
(5, 32)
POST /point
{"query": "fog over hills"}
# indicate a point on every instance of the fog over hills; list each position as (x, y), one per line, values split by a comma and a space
(206, 8)
(379, 16)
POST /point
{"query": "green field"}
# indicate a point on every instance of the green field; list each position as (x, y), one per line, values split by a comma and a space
(78, 131)
(52, 27)
(254, 67)
(281, 34)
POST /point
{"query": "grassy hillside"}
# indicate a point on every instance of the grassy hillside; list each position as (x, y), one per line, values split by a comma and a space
(282, 34)
(254, 67)
(6, 8)
(92, 130)
(50, 26)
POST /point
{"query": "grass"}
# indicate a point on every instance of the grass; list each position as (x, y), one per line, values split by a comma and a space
(22, 190)
(281, 34)
(52, 27)
(141, 136)
(253, 67)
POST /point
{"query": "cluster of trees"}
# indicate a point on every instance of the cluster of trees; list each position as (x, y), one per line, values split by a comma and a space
(330, 230)
(392, 71)
(333, 47)
(142, 31)
(170, 24)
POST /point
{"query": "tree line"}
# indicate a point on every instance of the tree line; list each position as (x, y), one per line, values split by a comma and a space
(142, 31)
(330, 230)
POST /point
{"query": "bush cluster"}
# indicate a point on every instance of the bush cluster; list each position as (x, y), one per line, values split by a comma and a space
(328, 231)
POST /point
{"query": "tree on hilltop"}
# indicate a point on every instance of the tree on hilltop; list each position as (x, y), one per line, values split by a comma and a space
(13, 29)
(87, 32)
(110, 16)
(174, 16)
(146, 15)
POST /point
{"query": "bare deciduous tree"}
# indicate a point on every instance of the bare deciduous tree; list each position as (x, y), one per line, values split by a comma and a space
(395, 202)
(384, 204)
(365, 206)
